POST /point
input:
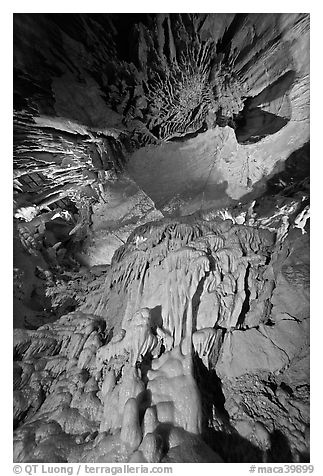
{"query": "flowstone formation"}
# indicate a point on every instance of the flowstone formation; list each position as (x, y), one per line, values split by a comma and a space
(161, 237)
(197, 337)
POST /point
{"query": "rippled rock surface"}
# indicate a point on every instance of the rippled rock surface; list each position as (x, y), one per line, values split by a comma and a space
(161, 236)
(132, 117)
(197, 336)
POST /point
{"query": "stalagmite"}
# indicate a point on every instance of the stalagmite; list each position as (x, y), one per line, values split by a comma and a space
(130, 430)
(151, 448)
(174, 390)
(161, 286)
(115, 396)
(150, 421)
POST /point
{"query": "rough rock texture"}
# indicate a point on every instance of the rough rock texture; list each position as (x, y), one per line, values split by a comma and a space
(112, 384)
(128, 105)
(161, 217)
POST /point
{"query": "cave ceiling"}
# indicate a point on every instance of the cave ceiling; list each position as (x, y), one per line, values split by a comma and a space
(161, 194)
(140, 116)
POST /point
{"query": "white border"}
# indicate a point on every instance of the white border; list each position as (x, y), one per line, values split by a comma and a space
(316, 197)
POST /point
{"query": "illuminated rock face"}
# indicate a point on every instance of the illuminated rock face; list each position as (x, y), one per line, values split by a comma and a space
(149, 141)
(172, 112)
(136, 341)
(174, 391)
(124, 384)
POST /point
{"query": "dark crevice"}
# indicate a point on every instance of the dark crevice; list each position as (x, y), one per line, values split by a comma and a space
(295, 173)
(287, 388)
(166, 48)
(124, 24)
(280, 451)
(246, 303)
(226, 442)
(211, 390)
(255, 124)
(224, 45)
(189, 135)
(197, 299)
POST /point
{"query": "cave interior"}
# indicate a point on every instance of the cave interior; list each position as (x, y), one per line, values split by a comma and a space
(161, 188)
